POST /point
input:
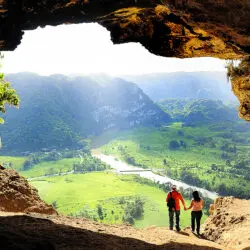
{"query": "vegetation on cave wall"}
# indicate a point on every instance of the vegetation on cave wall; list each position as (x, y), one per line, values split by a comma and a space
(240, 79)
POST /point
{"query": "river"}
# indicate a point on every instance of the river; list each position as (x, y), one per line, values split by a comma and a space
(120, 167)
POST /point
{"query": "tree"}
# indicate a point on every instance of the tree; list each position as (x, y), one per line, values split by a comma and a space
(7, 95)
(165, 162)
(54, 204)
(173, 145)
(235, 70)
(100, 212)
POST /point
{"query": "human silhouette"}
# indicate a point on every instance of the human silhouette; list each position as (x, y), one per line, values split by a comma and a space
(173, 202)
(196, 205)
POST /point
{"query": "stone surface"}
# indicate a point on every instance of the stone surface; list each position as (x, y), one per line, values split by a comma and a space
(16, 195)
(206, 23)
(58, 232)
(230, 224)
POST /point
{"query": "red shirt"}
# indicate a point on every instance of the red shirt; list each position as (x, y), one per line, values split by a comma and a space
(177, 197)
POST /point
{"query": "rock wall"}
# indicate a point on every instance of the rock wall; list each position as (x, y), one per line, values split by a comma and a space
(230, 223)
(16, 195)
(224, 20)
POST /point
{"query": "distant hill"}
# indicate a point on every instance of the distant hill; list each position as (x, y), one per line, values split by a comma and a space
(199, 111)
(185, 85)
(58, 111)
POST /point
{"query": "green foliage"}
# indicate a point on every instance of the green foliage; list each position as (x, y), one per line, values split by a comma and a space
(54, 155)
(173, 145)
(133, 210)
(236, 70)
(7, 95)
(59, 112)
(195, 112)
(54, 204)
(100, 212)
(88, 163)
(208, 156)
(12, 162)
(50, 163)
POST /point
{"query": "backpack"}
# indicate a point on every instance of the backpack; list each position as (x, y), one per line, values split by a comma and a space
(171, 203)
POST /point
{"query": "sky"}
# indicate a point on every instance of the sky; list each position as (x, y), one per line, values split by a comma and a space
(87, 49)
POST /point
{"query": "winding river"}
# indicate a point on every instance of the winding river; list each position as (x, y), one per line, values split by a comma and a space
(124, 168)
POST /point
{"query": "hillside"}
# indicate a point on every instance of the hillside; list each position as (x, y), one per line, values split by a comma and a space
(185, 85)
(199, 111)
(58, 111)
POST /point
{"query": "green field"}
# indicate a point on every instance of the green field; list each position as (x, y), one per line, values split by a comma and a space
(41, 169)
(80, 194)
(206, 160)
(12, 162)
(83, 192)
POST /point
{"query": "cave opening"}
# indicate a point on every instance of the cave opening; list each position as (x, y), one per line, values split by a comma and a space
(103, 131)
(86, 103)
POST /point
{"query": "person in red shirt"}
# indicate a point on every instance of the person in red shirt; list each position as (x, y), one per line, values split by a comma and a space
(175, 210)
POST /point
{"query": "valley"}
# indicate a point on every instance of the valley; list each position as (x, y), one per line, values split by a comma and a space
(64, 121)
(184, 153)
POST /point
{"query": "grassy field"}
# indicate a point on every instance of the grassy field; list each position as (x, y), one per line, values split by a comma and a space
(200, 162)
(51, 167)
(12, 162)
(40, 169)
(84, 192)
(80, 194)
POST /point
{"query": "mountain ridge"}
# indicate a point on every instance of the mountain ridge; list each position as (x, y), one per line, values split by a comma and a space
(60, 111)
(185, 85)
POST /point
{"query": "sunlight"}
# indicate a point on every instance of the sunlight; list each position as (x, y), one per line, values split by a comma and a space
(87, 48)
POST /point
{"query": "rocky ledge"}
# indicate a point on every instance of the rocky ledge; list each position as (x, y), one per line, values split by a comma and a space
(228, 227)
(230, 224)
(16, 195)
(26, 222)
(58, 232)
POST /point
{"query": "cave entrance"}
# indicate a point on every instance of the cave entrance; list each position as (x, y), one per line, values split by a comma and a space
(88, 103)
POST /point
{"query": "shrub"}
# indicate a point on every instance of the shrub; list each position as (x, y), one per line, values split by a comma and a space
(173, 145)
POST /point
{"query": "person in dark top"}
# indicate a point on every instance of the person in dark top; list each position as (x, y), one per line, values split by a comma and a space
(175, 210)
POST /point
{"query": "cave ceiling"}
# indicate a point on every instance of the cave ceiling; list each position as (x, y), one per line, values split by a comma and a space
(170, 28)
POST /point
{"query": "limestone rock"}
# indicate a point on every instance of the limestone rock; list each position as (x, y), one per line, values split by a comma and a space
(230, 224)
(16, 195)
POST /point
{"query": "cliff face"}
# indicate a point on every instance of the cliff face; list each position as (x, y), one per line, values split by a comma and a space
(16, 195)
(240, 79)
(230, 224)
